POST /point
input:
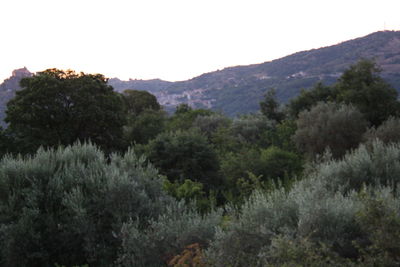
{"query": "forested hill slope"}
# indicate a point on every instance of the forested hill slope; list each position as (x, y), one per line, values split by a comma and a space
(239, 89)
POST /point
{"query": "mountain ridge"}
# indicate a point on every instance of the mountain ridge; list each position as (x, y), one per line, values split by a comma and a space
(239, 89)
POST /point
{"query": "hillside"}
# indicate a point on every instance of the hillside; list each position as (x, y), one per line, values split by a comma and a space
(239, 89)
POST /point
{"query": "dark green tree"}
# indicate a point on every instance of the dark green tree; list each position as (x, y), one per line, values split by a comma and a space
(278, 163)
(59, 107)
(270, 107)
(137, 101)
(185, 116)
(4, 142)
(145, 126)
(281, 135)
(185, 155)
(145, 117)
(309, 98)
(268, 165)
(362, 86)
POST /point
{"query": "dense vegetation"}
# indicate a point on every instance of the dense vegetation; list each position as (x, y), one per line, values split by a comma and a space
(93, 177)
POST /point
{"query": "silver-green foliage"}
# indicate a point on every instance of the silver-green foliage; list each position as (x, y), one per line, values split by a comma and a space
(387, 132)
(262, 217)
(166, 236)
(210, 124)
(330, 125)
(377, 164)
(67, 206)
(251, 128)
(321, 211)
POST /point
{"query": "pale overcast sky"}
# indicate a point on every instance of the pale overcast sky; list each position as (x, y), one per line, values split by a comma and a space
(176, 39)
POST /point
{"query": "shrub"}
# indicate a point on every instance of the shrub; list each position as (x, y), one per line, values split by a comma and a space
(67, 206)
(379, 218)
(261, 218)
(166, 236)
(373, 165)
(345, 213)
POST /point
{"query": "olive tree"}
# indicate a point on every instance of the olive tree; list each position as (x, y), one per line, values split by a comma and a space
(331, 126)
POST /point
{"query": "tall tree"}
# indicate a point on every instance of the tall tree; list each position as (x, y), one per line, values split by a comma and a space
(59, 107)
(270, 106)
(362, 86)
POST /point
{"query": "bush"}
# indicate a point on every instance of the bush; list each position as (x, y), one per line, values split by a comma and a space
(166, 236)
(262, 216)
(373, 165)
(343, 214)
(380, 219)
(67, 206)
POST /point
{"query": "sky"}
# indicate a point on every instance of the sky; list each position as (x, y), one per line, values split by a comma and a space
(176, 39)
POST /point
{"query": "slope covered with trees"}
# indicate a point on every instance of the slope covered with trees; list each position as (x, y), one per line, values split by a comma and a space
(237, 90)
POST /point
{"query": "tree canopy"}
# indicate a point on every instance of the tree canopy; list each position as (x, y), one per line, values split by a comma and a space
(137, 101)
(59, 107)
(309, 98)
(362, 86)
(338, 127)
(185, 155)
